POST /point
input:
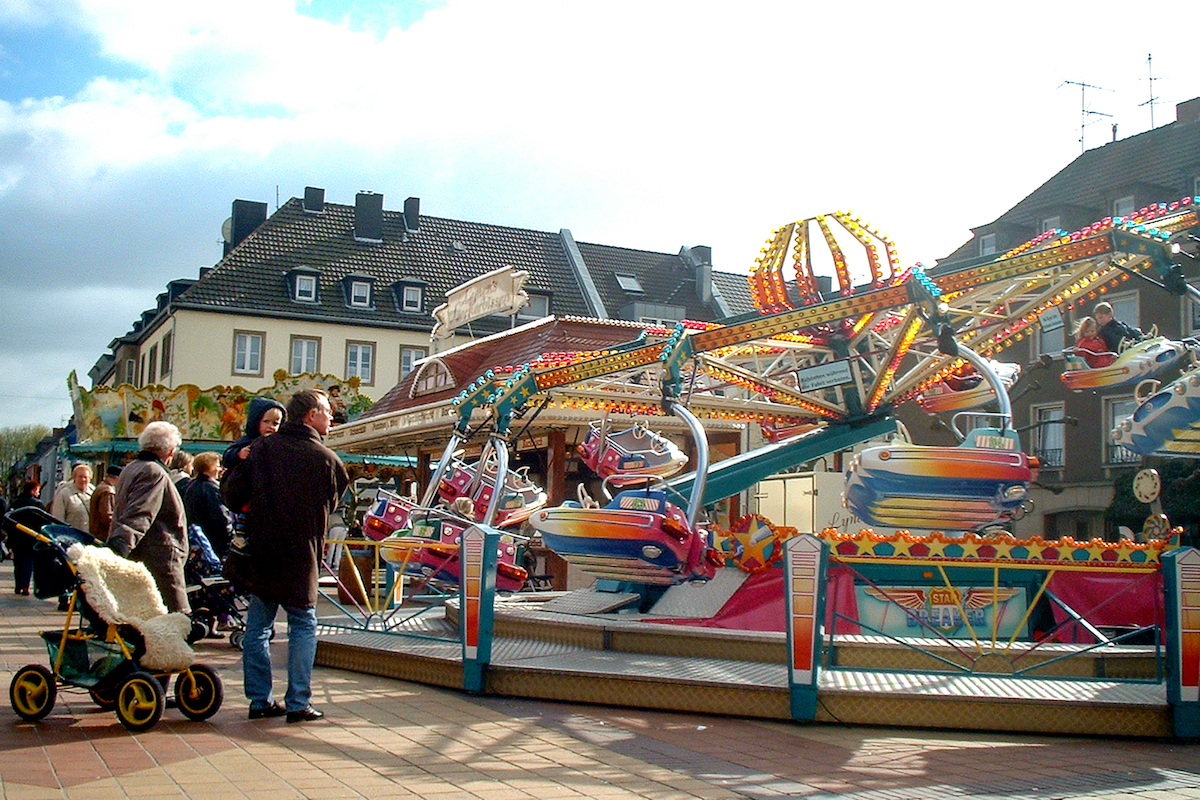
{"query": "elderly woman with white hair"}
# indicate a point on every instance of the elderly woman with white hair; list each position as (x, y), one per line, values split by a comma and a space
(148, 519)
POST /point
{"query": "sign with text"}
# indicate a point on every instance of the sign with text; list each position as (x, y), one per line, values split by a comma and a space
(497, 292)
(823, 376)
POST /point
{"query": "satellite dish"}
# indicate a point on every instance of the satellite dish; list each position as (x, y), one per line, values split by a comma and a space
(227, 229)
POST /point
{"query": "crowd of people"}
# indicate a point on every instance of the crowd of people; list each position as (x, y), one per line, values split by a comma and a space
(261, 507)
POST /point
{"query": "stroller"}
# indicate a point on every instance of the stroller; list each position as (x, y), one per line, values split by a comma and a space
(126, 646)
(215, 604)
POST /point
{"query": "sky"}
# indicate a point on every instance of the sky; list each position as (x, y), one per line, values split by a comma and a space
(127, 128)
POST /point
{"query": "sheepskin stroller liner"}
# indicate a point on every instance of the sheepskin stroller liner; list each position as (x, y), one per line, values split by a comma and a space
(126, 646)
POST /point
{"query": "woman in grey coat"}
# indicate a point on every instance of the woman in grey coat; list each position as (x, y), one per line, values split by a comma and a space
(148, 520)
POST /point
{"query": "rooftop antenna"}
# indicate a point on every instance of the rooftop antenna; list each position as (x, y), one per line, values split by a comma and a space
(1153, 99)
(1084, 111)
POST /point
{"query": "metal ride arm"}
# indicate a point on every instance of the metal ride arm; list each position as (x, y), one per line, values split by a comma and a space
(1104, 242)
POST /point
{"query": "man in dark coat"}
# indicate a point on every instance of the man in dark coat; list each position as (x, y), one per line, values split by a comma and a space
(290, 483)
(148, 523)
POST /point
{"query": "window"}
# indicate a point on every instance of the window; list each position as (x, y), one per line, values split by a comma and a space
(306, 288)
(247, 352)
(537, 307)
(142, 370)
(165, 367)
(153, 376)
(306, 354)
(408, 357)
(1123, 206)
(412, 298)
(1196, 187)
(1052, 333)
(432, 376)
(1125, 308)
(1192, 311)
(1115, 410)
(987, 244)
(629, 283)
(1048, 434)
(360, 294)
(1051, 224)
(661, 322)
(360, 358)
(131, 371)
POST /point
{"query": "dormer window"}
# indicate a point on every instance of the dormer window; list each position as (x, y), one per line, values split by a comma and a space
(410, 296)
(360, 291)
(304, 285)
(537, 307)
(306, 288)
(987, 244)
(629, 283)
(1051, 224)
(432, 376)
(1123, 206)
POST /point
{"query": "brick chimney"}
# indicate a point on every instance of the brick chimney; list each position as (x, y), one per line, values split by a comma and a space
(368, 217)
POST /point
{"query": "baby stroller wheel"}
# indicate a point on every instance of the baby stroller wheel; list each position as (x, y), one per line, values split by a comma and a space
(200, 629)
(140, 701)
(235, 639)
(32, 692)
(106, 699)
(198, 692)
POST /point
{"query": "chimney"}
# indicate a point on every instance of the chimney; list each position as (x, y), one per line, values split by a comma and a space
(699, 258)
(1187, 111)
(412, 214)
(368, 217)
(246, 217)
(314, 200)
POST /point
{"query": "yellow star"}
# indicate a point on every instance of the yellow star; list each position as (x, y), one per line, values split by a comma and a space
(903, 545)
(937, 547)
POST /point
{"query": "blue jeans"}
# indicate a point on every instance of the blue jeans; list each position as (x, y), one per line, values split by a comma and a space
(256, 653)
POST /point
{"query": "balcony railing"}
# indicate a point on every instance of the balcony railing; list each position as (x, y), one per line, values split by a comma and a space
(1050, 458)
(1115, 454)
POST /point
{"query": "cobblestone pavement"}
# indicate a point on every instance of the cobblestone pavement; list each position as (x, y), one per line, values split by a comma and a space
(384, 738)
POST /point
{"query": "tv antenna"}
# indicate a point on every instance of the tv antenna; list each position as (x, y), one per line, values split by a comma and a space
(1152, 79)
(1084, 111)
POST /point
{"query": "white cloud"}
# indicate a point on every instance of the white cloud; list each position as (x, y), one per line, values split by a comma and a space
(639, 124)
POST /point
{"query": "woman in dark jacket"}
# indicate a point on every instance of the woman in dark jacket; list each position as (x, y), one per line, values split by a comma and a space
(203, 505)
(21, 544)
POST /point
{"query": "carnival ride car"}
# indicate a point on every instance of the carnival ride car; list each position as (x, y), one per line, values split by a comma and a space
(966, 389)
(424, 542)
(1166, 421)
(1137, 362)
(477, 482)
(636, 452)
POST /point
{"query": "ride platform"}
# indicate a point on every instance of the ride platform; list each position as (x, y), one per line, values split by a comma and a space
(621, 659)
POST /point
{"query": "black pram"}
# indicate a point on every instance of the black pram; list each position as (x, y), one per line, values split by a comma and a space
(215, 605)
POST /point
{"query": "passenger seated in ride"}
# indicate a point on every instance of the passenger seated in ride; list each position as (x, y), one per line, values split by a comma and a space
(1089, 346)
(1112, 330)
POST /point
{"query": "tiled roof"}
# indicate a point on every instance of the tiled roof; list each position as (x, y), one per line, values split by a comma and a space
(513, 348)
(735, 289)
(665, 279)
(1160, 165)
(442, 254)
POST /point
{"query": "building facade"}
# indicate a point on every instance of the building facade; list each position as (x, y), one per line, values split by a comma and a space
(1069, 431)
